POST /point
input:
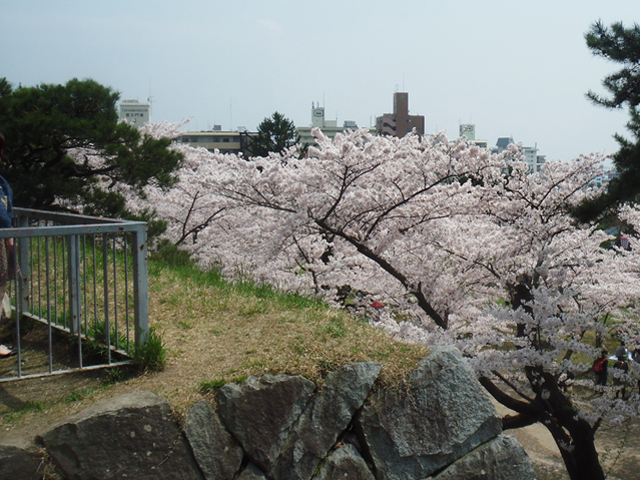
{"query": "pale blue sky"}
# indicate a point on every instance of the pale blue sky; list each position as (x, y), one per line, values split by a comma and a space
(518, 68)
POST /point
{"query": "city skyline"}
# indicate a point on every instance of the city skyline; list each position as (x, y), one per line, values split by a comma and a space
(512, 69)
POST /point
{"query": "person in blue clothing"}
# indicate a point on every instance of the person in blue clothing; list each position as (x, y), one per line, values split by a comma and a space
(6, 246)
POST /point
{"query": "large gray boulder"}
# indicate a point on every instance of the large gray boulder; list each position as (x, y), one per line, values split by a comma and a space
(327, 415)
(19, 461)
(131, 436)
(439, 415)
(217, 453)
(252, 473)
(501, 459)
(345, 463)
(261, 412)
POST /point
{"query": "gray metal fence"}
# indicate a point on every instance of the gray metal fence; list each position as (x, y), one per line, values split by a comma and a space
(80, 295)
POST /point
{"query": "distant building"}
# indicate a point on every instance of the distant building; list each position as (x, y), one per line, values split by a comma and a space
(502, 144)
(217, 139)
(135, 112)
(399, 123)
(530, 154)
(329, 127)
(540, 161)
(468, 130)
(605, 178)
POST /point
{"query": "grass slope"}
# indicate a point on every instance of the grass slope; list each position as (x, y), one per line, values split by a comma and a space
(214, 332)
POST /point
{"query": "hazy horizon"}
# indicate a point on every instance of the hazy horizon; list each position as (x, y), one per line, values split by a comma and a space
(512, 69)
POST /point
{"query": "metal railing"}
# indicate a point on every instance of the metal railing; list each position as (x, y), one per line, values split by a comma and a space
(80, 295)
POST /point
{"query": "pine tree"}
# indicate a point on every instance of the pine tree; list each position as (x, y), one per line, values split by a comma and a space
(274, 135)
(67, 150)
(622, 46)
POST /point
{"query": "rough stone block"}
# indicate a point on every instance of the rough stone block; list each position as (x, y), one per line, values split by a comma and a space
(327, 415)
(437, 416)
(261, 412)
(24, 462)
(217, 453)
(131, 436)
(345, 463)
(500, 459)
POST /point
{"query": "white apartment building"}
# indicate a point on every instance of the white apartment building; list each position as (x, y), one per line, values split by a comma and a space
(135, 112)
(329, 127)
(217, 139)
(531, 157)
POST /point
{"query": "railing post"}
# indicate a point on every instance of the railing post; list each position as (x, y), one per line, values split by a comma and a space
(140, 286)
(23, 260)
(74, 284)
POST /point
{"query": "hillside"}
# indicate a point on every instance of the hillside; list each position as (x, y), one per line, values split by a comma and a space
(213, 332)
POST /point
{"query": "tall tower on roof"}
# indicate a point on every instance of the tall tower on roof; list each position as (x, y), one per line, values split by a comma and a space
(399, 123)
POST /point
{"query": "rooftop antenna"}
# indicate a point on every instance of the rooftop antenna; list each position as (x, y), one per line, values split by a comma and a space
(403, 83)
(230, 111)
(150, 99)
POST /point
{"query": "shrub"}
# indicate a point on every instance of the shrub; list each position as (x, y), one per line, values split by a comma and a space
(152, 355)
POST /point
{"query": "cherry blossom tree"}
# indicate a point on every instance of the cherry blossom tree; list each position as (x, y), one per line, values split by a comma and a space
(562, 289)
(462, 246)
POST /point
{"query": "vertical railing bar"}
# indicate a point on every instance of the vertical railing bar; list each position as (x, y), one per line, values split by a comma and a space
(73, 278)
(65, 268)
(21, 274)
(140, 286)
(48, 275)
(115, 295)
(30, 242)
(95, 292)
(21, 263)
(17, 295)
(79, 295)
(39, 280)
(55, 278)
(126, 289)
(84, 281)
(105, 281)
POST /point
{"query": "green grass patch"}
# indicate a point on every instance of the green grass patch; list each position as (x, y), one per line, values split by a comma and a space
(152, 355)
(212, 386)
(335, 328)
(25, 408)
(185, 325)
(79, 395)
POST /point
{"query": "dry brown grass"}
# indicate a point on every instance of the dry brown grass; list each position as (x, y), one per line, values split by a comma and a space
(215, 333)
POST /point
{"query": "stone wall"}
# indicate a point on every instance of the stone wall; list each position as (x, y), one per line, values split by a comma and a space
(438, 424)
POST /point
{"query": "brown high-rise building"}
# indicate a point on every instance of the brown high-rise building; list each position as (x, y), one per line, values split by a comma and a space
(399, 123)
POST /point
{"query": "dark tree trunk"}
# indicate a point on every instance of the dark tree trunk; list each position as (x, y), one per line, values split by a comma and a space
(582, 461)
(574, 436)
